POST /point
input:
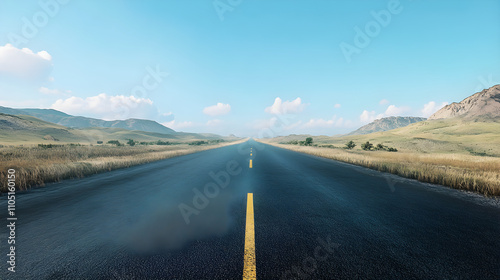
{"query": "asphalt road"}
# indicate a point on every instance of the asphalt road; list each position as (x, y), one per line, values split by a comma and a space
(314, 219)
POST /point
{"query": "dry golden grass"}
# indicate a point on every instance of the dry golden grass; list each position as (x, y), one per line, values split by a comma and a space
(36, 166)
(464, 172)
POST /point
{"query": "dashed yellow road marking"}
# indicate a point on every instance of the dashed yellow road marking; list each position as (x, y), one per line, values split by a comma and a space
(249, 269)
(250, 154)
(250, 163)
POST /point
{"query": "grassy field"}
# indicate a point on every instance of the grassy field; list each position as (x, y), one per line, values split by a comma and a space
(454, 152)
(36, 165)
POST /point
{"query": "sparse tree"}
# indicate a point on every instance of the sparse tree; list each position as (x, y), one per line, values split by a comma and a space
(131, 142)
(350, 145)
(309, 141)
(367, 146)
(380, 147)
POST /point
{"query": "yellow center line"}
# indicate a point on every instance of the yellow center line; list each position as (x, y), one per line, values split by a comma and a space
(250, 163)
(249, 269)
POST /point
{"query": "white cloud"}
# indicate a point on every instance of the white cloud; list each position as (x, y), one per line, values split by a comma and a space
(392, 110)
(264, 124)
(383, 102)
(108, 107)
(178, 125)
(322, 123)
(431, 107)
(288, 107)
(217, 110)
(214, 122)
(24, 63)
(337, 105)
(48, 91)
(367, 116)
(318, 123)
(276, 124)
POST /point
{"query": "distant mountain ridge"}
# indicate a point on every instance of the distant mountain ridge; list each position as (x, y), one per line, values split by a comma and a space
(385, 124)
(57, 117)
(485, 104)
(25, 129)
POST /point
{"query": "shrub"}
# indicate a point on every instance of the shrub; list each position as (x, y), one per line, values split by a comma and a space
(131, 142)
(99, 142)
(309, 141)
(159, 142)
(197, 143)
(115, 142)
(350, 145)
(367, 146)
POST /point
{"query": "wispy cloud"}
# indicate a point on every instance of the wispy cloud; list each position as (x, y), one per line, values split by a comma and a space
(369, 116)
(175, 125)
(431, 108)
(109, 107)
(217, 110)
(48, 91)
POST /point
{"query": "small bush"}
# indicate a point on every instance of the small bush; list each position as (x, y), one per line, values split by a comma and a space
(115, 142)
(367, 146)
(309, 141)
(131, 142)
(350, 145)
(197, 143)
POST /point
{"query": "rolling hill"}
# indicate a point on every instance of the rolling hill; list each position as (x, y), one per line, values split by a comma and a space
(57, 117)
(21, 129)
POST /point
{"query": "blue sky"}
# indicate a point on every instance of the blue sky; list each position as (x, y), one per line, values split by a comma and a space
(219, 66)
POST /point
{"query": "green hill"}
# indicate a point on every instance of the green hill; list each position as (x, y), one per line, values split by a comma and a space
(64, 119)
(28, 130)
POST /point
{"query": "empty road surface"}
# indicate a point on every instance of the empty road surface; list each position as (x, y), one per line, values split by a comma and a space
(308, 218)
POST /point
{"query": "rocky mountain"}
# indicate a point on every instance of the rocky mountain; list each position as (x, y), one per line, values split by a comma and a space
(385, 124)
(66, 120)
(483, 104)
